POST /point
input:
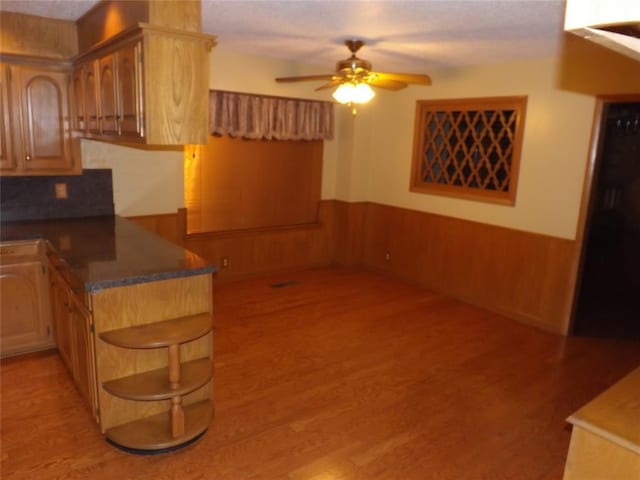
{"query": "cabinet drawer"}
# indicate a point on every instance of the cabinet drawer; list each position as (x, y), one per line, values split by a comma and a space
(19, 252)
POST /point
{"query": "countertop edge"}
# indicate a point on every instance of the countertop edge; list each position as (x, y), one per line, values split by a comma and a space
(94, 287)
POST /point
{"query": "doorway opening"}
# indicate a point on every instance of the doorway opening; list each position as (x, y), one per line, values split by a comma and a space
(608, 288)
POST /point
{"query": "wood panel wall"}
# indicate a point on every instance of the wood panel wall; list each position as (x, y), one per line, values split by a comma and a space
(522, 275)
(350, 220)
(110, 17)
(54, 38)
(235, 183)
(257, 251)
(525, 276)
(165, 225)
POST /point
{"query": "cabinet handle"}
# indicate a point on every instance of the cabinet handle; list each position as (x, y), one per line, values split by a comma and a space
(27, 158)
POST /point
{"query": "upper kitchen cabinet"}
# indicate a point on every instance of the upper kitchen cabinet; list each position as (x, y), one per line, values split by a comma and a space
(152, 84)
(7, 158)
(36, 135)
(109, 103)
(129, 89)
(85, 116)
(135, 72)
(109, 115)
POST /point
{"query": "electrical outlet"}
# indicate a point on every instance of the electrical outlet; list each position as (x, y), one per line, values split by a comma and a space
(225, 262)
(61, 190)
(387, 256)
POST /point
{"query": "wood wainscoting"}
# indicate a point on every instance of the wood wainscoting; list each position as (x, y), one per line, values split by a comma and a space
(256, 251)
(169, 226)
(522, 275)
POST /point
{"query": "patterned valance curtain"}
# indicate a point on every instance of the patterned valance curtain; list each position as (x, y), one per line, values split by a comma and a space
(271, 118)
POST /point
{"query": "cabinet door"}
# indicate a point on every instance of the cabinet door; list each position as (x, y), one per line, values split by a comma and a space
(79, 106)
(108, 97)
(90, 91)
(7, 155)
(60, 314)
(130, 90)
(23, 320)
(44, 106)
(84, 368)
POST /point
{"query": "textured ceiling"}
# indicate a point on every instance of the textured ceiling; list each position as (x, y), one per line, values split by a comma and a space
(415, 36)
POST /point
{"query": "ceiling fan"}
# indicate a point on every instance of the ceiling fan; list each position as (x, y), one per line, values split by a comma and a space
(354, 76)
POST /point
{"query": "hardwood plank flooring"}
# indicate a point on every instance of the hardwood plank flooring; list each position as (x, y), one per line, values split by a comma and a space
(344, 375)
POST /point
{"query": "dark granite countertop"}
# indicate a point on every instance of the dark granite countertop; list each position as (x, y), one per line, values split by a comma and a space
(109, 251)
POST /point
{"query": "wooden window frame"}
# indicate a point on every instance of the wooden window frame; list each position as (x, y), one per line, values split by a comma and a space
(483, 156)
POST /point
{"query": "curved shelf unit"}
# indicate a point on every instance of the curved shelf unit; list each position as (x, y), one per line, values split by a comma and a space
(160, 334)
(155, 385)
(181, 424)
(154, 433)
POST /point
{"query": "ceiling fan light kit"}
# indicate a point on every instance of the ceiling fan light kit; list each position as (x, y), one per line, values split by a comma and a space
(354, 78)
(348, 93)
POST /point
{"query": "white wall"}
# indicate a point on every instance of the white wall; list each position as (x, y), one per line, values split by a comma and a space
(145, 182)
(556, 139)
(557, 134)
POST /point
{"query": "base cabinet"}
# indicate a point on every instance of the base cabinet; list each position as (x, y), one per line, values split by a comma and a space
(24, 315)
(59, 312)
(84, 373)
(140, 355)
(74, 335)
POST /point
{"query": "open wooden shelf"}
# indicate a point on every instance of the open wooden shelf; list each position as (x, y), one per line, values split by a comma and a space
(154, 433)
(160, 334)
(180, 423)
(605, 441)
(615, 413)
(154, 384)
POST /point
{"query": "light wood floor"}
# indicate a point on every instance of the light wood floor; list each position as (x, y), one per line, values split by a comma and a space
(345, 375)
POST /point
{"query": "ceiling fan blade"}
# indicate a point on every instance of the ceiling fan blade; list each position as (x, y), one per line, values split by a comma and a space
(333, 83)
(385, 83)
(306, 78)
(414, 78)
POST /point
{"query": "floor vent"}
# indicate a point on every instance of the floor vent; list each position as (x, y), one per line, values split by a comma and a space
(288, 283)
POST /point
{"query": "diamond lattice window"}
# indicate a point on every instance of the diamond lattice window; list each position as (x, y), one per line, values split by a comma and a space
(469, 148)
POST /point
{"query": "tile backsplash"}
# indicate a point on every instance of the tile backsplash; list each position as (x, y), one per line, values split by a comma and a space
(34, 198)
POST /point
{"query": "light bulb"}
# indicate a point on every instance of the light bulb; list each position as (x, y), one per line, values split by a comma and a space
(362, 93)
(344, 93)
(350, 92)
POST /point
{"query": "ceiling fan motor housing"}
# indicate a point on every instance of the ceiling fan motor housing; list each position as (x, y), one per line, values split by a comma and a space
(353, 67)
